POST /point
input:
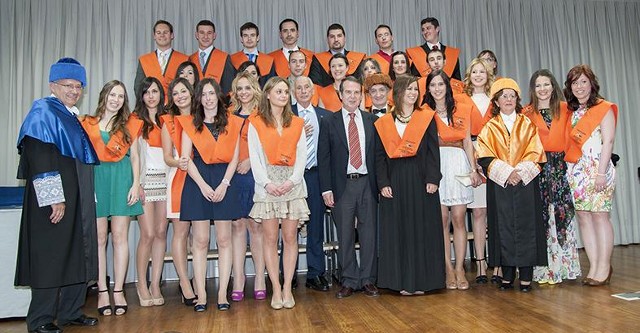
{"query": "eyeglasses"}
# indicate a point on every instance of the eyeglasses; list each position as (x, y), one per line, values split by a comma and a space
(70, 86)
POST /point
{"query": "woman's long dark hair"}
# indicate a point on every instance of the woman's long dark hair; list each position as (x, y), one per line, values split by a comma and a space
(141, 108)
(221, 119)
(171, 107)
(448, 97)
(556, 94)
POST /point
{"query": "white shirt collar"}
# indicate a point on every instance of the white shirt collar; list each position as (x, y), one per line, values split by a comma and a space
(345, 113)
(207, 50)
(72, 109)
(307, 109)
(438, 44)
(161, 53)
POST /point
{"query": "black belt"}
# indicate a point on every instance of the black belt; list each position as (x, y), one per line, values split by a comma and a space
(313, 168)
(355, 175)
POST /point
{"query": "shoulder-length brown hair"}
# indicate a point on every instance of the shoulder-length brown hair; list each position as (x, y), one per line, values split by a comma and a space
(572, 76)
(119, 121)
(264, 109)
(221, 119)
(400, 86)
(556, 93)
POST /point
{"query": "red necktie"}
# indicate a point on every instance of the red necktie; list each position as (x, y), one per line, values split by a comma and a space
(355, 154)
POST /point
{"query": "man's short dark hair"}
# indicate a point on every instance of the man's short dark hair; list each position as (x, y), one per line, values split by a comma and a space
(158, 22)
(249, 25)
(336, 26)
(432, 20)
(287, 20)
(349, 78)
(206, 23)
(375, 32)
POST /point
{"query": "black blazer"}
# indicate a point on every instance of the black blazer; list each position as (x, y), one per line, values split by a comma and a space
(333, 154)
(320, 112)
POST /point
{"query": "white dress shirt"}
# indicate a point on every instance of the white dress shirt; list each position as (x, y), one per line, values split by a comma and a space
(310, 117)
(360, 125)
(509, 120)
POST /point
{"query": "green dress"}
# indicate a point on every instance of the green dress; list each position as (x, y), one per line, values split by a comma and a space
(113, 181)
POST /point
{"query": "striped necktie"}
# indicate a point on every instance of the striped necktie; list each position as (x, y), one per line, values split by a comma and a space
(311, 147)
(355, 154)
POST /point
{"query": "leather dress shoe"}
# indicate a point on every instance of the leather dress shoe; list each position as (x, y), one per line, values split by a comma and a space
(370, 290)
(344, 292)
(83, 320)
(525, 288)
(47, 328)
(318, 283)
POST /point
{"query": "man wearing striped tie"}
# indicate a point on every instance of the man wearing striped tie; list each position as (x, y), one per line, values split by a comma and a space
(346, 163)
(303, 90)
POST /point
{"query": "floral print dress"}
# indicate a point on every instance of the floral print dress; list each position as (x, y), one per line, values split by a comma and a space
(559, 216)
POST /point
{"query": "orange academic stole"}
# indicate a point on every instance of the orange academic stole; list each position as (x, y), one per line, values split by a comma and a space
(116, 148)
(151, 67)
(461, 122)
(553, 138)
(579, 134)
(211, 150)
(407, 146)
(279, 149)
(419, 58)
(264, 61)
(175, 131)
(214, 66)
(329, 97)
(282, 64)
(354, 60)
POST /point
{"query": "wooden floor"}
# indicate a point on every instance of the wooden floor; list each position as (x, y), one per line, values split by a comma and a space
(567, 307)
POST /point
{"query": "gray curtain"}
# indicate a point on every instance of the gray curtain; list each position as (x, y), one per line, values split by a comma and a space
(108, 36)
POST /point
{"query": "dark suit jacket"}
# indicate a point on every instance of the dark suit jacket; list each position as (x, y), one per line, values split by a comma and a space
(320, 112)
(333, 154)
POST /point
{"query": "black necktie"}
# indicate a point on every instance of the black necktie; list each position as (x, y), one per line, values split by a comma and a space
(291, 51)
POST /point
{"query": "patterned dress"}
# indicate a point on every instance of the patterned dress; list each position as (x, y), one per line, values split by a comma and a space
(582, 174)
(559, 216)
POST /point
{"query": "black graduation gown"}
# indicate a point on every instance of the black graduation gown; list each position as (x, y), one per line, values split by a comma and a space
(516, 230)
(411, 248)
(54, 255)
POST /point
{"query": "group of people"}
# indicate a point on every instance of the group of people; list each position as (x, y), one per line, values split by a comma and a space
(397, 145)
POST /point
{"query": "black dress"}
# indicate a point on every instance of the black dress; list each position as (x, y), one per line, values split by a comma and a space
(411, 249)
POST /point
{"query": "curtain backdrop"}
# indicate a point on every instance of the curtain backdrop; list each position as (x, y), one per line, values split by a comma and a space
(108, 36)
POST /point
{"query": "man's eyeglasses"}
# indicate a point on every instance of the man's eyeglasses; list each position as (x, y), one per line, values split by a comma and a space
(70, 86)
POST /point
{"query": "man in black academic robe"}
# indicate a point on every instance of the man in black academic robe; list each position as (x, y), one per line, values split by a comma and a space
(57, 250)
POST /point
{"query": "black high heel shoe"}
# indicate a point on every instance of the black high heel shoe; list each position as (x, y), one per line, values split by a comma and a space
(504, 286)
(105, 310)
(481, 279)
(188, 301)
(200, 307)
(119, 310)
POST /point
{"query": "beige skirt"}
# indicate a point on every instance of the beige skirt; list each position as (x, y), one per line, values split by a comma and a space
(291, 206)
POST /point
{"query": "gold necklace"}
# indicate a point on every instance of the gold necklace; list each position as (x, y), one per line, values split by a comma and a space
(404, 119)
